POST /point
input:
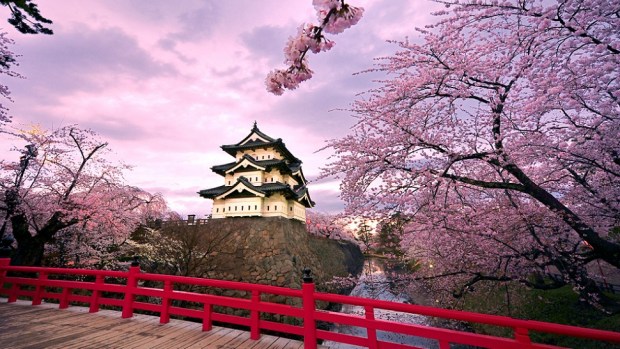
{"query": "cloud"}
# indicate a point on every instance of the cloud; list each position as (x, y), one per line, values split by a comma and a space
(167, 82)
(193, 25)
(267, 42)
(84, 59)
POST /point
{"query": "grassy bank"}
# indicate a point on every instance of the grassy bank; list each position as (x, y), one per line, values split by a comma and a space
(559, 306)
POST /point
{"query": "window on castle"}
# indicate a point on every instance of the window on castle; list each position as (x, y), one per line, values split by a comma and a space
(263, 157)
(268, 156)
(267, 208)
(241, 208)
(275, 208)
(228, 208)
(217, 210)
(257, 179)
(223, 209)
(256, 207)
(291, 208)
(228, 182)
(235, 208)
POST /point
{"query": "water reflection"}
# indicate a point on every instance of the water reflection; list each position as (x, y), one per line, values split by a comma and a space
(376, 284)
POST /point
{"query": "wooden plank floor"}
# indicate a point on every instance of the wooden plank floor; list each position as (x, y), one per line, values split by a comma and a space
(45, 326)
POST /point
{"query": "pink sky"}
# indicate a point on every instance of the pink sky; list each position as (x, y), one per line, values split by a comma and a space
(166, 83)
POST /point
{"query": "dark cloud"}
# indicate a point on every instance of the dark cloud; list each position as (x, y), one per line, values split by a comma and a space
(116, 128)
(194, 25)
(83, 59)
(326, 200)
(267, 42)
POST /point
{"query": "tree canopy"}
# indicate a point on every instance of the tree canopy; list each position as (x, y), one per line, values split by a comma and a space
(496, 134)
(26, 17)
(63, 187)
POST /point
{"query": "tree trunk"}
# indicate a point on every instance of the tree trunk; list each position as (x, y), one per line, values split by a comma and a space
(29, 248)
(29, 252)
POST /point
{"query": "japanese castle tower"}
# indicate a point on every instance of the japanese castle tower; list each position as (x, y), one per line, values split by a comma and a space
(265, 180)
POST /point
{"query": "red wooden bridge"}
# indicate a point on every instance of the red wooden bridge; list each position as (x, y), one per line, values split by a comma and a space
(128, 292)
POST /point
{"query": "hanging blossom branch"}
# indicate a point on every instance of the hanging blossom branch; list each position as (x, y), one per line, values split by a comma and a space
(335, 16)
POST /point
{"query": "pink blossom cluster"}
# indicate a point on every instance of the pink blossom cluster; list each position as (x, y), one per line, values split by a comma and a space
(7, 58)
(345, 16)
(335, 16)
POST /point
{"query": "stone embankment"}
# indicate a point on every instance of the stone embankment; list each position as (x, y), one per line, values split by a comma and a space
(274, 251)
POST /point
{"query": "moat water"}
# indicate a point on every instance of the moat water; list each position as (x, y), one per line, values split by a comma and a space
(375, 283)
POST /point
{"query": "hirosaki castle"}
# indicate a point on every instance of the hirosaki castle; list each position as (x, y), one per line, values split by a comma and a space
(265, 180)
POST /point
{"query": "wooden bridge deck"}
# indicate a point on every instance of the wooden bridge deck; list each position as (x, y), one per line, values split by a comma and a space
(45, 326)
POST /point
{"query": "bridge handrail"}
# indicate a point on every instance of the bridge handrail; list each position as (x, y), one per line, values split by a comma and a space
(303, 308)
(460, 315)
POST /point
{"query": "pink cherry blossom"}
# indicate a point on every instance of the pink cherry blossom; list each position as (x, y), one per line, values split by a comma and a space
(63, 186)
(335, 17)
(7, 60)
(496, 134)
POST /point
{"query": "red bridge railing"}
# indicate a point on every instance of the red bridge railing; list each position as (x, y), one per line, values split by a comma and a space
(38, 286)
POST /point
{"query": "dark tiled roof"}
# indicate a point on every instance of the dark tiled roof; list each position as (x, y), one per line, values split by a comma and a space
(280, 164)
(213, 192)
(301, 191)
(258, 132)
(259, 144)
(232, 149)
(267, 189)
(223, 168)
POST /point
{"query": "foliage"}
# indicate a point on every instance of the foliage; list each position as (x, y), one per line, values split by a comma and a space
(365, 235)
(559, 306)
(179, 249)
(497, 133)
(335, 16)
(26, 18)
(63, 190)
(389, 236)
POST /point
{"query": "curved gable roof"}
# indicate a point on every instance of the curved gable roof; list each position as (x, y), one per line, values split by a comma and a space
(242, 185)
(303, 197)
(258, 140)
(255, 137)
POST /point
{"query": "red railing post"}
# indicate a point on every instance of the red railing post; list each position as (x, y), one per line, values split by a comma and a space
(130, 289)
(64, 298)
(522, 336)
(4, 262)
(94, 297)
(13, 293)
(255, 316)
(164, 316)
(371, 331)
(207, 324)
(307, 290)
(38, 291)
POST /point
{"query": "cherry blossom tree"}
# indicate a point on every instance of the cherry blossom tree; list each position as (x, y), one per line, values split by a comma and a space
(334, 16)
(328, 225)
(497, 132)
(63, 187)
(7, 61)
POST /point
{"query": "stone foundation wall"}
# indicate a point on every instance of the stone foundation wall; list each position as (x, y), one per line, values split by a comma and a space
(274, 251)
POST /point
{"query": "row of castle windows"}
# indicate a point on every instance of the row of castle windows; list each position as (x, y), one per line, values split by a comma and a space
(262, 157)
(229, 182)
(275, 208)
